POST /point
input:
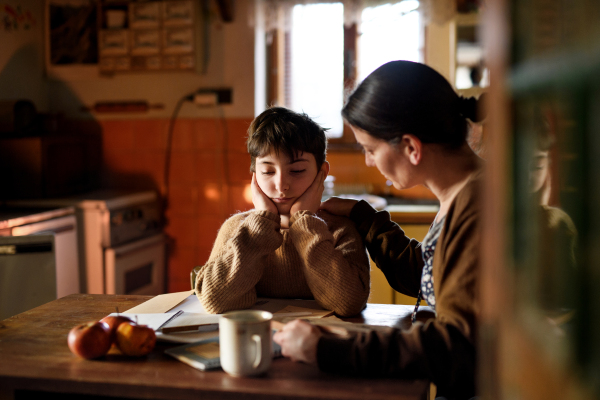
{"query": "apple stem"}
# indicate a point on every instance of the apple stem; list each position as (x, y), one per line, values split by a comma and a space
(117, 308)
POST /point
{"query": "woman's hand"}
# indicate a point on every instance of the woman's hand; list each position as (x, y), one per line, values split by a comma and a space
(311, 198)
(260, 199)
(298, 340)
(338, 206)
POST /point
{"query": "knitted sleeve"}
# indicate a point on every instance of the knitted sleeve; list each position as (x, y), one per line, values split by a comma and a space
(398, 256)
(227, 281)
(335, 262)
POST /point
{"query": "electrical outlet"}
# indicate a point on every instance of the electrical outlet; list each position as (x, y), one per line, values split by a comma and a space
(211, 97)
(205, 99)
(224, 96)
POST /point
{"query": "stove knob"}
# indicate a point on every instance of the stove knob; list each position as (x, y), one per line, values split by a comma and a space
(117, 219)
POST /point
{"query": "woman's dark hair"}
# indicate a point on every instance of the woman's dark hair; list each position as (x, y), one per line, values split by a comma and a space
(403, 97)
(280, 129)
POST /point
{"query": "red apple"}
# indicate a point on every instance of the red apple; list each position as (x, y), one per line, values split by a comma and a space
(90, 340)
(135, 340)
(113, 322)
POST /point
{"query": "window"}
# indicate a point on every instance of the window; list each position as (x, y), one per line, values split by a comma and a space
(319, 56)
(317, 63)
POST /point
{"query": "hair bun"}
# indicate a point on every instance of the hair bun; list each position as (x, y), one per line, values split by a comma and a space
(471, 108)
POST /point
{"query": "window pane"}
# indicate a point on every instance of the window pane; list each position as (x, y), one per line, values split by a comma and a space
(388, 32)
(317, 59)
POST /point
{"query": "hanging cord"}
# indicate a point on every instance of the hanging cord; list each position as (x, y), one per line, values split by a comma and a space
(225, 151)
(189, 97)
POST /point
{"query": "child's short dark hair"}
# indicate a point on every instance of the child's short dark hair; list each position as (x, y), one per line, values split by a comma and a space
(281, 129)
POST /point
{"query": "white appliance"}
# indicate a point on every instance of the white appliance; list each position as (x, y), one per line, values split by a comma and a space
(27, 273)
(60, 223)
(121, 242)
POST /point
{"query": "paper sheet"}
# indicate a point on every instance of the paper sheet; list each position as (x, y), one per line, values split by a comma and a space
(161, 303)
(154, 320)
(194, 313)
(312, 313)
(192, 322)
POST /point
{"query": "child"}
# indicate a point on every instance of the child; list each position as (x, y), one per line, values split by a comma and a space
(285, 247)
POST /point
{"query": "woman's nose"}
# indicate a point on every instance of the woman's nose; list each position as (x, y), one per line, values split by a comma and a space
(369, 160)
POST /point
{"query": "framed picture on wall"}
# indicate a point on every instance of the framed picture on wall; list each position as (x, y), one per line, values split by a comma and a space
(71, 30)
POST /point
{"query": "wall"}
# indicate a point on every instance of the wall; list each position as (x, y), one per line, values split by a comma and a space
(209, 168)
(230, 65)
(440, 48)
(21, 52)
(208, 176)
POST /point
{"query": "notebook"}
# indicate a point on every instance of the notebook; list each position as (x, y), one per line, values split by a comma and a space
(204, 355)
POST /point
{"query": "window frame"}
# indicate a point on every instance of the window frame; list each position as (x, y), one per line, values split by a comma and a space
(278, 71)
(278, 76)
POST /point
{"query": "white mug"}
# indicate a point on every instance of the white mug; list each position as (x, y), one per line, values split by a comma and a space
(245, 342)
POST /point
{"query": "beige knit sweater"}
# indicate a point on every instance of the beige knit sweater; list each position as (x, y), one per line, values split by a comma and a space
(320, 256)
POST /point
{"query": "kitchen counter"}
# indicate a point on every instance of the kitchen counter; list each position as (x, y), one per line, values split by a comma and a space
(11, 217)
(413, 213)
(402, 210)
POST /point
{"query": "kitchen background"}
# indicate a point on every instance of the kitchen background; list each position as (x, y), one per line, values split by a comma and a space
(209, 168)
(522, 356)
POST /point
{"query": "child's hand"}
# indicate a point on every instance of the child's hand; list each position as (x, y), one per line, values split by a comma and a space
(260, 199)
(311, 199)
(338, 206)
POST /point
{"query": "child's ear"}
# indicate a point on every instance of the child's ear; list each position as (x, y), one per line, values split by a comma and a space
(325, 169)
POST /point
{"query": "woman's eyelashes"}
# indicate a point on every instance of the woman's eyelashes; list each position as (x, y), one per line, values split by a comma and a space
(366, 150)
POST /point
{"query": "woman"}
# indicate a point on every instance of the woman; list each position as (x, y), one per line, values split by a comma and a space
(413, 128)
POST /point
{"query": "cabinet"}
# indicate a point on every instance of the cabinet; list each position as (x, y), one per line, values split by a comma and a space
(470, 74)
(152, 35)
(84, 39)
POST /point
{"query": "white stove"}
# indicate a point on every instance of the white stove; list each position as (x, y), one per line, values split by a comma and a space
(121, 244)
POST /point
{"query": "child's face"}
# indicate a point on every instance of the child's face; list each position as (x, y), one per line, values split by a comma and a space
(284, 180)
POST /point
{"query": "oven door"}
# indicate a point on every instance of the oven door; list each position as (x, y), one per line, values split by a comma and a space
(137, 267)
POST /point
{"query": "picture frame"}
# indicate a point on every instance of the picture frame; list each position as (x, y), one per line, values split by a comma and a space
(71, 38)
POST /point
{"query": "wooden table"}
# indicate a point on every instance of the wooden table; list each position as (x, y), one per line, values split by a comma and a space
(35, 361)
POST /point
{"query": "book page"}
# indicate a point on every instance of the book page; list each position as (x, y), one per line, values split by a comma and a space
(161, 303)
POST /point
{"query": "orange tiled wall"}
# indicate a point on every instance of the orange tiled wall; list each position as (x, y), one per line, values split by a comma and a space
(209, 172)
(209, 178)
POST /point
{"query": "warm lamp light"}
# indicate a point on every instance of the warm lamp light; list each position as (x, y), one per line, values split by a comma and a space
(212, 193)
(248, 193)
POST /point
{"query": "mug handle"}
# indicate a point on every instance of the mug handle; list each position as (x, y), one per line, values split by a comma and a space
(257, 340)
